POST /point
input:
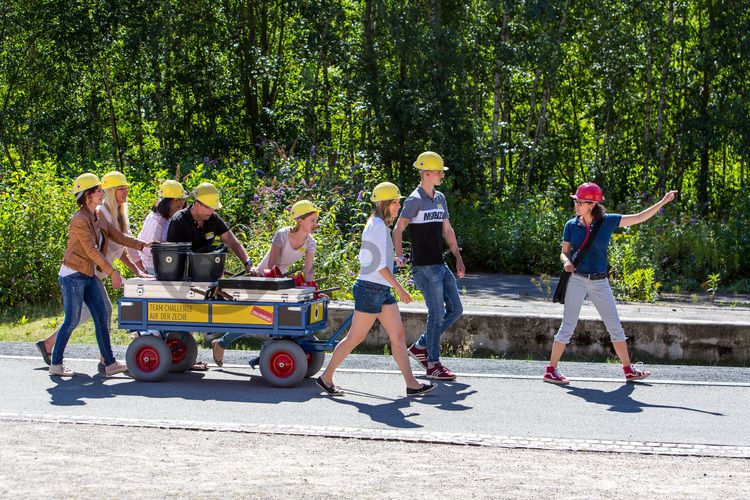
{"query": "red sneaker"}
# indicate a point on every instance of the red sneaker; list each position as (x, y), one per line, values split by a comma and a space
(553, 376)
(419, 354)
(633, 374)
(439, 372)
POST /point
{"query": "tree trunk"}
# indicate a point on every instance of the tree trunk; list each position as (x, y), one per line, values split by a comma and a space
(495, 122)
(549, 81)
(139, 119)
(104, 68)
(703, 172)
(647, 111)
(372, 90)
(660, 146)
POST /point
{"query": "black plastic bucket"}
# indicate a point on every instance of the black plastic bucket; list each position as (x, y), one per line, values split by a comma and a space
(170, 260)
(206, 266)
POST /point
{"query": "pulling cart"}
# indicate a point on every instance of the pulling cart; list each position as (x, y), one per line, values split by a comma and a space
(163, 315)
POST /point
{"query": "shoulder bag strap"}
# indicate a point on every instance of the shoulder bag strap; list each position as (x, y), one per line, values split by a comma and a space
(581, 253)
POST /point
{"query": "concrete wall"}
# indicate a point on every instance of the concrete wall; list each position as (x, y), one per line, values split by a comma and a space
(519, 336)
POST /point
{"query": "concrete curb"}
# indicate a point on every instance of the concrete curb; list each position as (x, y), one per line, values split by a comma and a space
(518, 334)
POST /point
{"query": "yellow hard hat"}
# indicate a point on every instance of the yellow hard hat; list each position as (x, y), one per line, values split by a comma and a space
(113, 180)
(303, 207)
(385, 191)
(207, 194)
(84, 182)
(172, 189)
(430, 161)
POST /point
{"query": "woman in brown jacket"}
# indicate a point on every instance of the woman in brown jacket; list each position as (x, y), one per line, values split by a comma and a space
(87, 235)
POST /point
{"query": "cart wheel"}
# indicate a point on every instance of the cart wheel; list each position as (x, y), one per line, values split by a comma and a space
(184, 350)
(282, 363)
(314, 362)
(148, 358)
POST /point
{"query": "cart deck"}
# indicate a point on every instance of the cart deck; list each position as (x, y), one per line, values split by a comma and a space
(164, 327)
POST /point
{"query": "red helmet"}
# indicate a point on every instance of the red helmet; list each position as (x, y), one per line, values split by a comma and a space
(588, 191)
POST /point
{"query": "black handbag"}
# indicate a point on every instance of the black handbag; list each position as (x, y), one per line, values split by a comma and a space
(562, 284)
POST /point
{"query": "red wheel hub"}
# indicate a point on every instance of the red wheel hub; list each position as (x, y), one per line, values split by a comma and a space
(147, 359)
(282, 364)
(177, 347)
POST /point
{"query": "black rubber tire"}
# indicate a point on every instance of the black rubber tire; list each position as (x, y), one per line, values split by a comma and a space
(282, 363)
(314, 362)
(184, 351)
(148, 358)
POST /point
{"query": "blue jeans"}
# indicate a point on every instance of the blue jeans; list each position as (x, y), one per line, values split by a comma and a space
(229, 338)
(440, 291)
(78, 289)
(370, 297)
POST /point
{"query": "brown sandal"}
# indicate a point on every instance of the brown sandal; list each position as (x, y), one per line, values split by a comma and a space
(215, 347)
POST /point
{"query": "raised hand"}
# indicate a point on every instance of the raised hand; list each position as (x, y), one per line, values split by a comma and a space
(669, 197)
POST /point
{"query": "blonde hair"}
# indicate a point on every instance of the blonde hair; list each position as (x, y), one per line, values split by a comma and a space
(380, 209)
(119, 213)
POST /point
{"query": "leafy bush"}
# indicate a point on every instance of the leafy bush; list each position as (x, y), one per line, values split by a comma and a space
(519, 236)
(35, 208)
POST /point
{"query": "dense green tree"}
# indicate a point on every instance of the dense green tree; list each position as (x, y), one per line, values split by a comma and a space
(519, 96)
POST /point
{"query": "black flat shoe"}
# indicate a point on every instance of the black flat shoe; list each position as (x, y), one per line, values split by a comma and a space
(43, 351)
(331, 390)
(421, 391)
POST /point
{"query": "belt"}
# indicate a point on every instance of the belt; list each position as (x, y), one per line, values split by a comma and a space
(594, 276)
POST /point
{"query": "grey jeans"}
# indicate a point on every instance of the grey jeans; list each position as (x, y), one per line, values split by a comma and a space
(600, 294)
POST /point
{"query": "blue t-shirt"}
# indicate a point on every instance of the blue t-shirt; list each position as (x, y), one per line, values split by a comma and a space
(595, 260)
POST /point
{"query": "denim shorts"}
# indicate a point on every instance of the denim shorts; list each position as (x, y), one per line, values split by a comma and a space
(370, 297)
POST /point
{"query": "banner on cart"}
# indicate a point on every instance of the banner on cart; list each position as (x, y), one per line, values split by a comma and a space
(175, 312)
(242, 314)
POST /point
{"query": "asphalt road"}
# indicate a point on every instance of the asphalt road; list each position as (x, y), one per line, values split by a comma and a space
(707, 408)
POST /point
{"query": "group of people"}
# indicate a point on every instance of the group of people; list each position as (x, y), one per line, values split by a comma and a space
(99, 233)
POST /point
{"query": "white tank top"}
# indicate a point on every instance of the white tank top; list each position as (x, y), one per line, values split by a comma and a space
(288, 255)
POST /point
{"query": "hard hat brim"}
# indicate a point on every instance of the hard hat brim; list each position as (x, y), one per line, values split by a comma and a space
(316, 211)
(575, 197)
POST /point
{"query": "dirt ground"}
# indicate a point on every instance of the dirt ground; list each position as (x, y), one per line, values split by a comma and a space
(91, 461)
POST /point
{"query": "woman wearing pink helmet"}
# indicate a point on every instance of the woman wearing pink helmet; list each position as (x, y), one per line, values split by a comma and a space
(589, 276)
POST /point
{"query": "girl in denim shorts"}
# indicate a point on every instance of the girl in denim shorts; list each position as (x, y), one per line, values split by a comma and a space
(373, 297)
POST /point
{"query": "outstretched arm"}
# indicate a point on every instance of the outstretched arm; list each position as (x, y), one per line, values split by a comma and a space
(631, 220)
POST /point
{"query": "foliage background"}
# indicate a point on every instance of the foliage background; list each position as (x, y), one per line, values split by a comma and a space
(276, 100)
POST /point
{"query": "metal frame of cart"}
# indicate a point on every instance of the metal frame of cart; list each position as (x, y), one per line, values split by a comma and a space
(165, 343)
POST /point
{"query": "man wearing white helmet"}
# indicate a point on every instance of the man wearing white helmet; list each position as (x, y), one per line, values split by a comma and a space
(425, 212)
(200, 225)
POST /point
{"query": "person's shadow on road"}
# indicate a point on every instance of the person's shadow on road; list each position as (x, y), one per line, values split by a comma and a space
(621, 400)
(444, 397)
(389, 411)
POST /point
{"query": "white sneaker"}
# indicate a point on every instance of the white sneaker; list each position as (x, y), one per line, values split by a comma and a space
(114, 369)
(60, 371)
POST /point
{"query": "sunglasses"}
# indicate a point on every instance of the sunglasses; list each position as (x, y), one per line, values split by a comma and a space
(583, 202)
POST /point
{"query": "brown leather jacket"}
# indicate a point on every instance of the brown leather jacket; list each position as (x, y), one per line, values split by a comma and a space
(83, 252)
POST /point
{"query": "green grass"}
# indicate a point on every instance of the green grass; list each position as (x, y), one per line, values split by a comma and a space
(29, 323)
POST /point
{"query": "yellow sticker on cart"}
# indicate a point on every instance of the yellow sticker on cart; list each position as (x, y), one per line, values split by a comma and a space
(316, 312)
(177, 312)
(242, 314)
